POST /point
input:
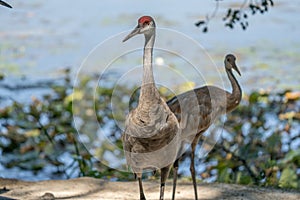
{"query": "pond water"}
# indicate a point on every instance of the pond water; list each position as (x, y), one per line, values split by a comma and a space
(39, 39)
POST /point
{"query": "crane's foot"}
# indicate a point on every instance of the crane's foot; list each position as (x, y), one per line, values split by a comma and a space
(175, 171)
(162, 191)
(142, 197)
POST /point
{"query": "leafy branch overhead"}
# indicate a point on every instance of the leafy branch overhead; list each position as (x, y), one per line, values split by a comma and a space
(237, 15)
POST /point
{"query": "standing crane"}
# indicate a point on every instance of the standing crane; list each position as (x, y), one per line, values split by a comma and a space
(151, 135)
(211, 103)
(5, 4)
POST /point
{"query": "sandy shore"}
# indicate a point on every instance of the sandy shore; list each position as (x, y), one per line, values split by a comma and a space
(91, 188)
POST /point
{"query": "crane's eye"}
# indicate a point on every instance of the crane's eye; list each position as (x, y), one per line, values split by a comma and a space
(146, 23)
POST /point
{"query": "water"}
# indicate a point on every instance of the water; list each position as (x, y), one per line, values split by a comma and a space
(39, 38)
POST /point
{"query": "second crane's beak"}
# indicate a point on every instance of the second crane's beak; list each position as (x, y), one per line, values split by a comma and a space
(236, 68)
(133, 33)
(5, 4)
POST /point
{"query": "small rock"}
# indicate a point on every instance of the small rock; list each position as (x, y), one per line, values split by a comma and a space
(48, 196)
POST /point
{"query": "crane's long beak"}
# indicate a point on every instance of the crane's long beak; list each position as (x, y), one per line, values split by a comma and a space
(5, 4)
(133, 33)
(236, 69)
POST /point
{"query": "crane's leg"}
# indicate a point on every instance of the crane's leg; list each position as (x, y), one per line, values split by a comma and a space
(192, 166)
(142, 195)
(163, 177)
(175, 170)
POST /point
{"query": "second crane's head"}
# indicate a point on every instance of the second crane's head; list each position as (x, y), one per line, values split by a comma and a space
(230, 63)
(146, 26)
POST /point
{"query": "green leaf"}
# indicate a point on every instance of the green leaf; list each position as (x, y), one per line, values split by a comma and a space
(288, 178)
(242, 178)
(253, 98)
(224, 176)
(291, 156)
(1, 76)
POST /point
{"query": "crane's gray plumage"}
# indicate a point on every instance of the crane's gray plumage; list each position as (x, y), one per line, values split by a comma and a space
(151, 136)
(197, 109)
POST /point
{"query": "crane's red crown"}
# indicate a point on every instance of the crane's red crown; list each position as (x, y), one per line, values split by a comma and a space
(145, 19)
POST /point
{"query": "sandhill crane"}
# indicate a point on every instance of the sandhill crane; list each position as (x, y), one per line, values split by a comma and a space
(5, 4)
(211, 103)
(150, 138)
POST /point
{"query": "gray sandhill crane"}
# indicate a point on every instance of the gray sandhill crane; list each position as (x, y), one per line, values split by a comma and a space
(5, 4)
(151, 136)
(211, 103)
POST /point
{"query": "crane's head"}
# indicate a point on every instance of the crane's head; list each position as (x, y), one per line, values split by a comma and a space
(5, 4)
(230, 63)
(146, 26)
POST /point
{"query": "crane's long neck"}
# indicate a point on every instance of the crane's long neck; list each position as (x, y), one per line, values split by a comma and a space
(148, 89)
(148, 77)
(234, 98)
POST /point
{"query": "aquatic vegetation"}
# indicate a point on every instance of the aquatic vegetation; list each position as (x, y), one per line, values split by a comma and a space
(259, 142)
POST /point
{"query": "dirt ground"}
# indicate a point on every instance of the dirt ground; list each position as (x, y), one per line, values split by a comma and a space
(90, 188)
